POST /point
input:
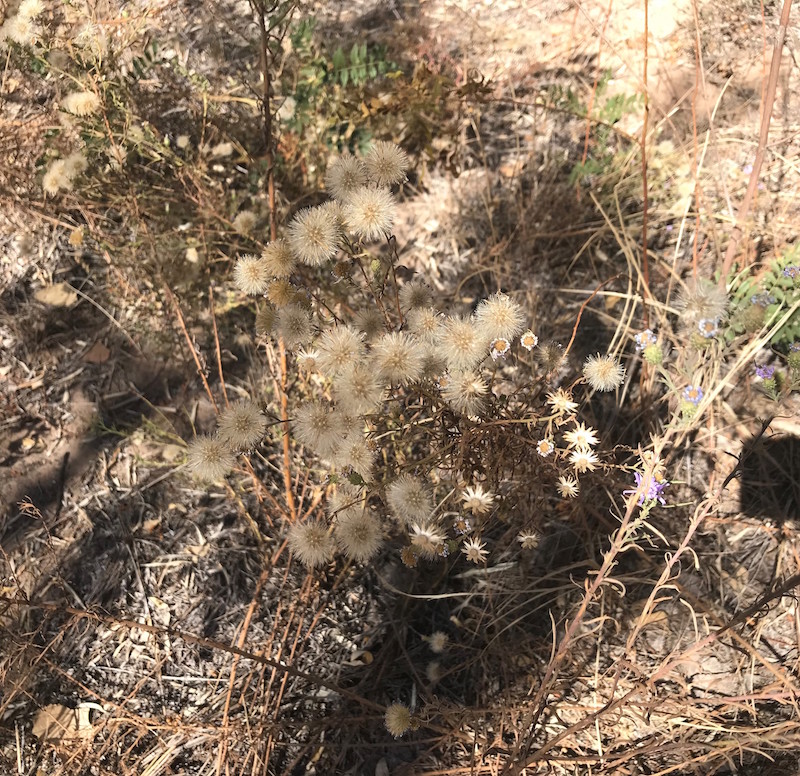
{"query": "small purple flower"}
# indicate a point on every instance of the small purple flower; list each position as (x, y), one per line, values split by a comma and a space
(644, 339)
(670, 227)
(693, 394)
(792, 271)
(765, 372)
(651, 488)
(708, 327)
(794, 347)
(747, 169)
(764, 299)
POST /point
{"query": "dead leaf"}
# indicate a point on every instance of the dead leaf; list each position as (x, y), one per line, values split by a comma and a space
(97, 354)
(57, 295)
(56, 723)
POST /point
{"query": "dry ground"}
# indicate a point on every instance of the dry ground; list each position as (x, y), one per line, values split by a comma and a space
(149, 626)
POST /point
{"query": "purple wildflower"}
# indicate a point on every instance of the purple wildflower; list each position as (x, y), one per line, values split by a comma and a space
(765, 372)
(764, 299)
(708, 327)
(644, 339)
(693, 394)
(794, 347)
(792, 271)
(747, 169)
(651, 488)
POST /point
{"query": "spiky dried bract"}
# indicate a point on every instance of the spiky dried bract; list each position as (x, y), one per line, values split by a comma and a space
(294, 325)
(398, 357)
(462, 344)
(318, 426)
(603, 373)
(369, 212)
(568, 487)
(281, 292)
(477, 500)
(314, 236)
(581, 437)
(339, 347)
(307, 359)
(242, 425)
(210, 458)
(345, 175)
(56, 178)
(356, 453)
(409, 499)
(250, 275)
(397, 719)
(583, 460)
(499, 316)
(427, 539)
(358, 389)
(425, 323)
(245, 222)
(561, 402)
(312, 543)
(358, 533)
(465, 392)
(386, 163)
(279, 259)
(414, 294)
(81, 103)
(704, 299)
(370, 321)
(529, 540)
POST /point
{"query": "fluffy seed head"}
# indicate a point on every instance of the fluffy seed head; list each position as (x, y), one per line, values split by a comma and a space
(56, 178)
(356, 453)
(358, 389)
(265, 320)
(369, 212)
(409, 499)
(311, 543)
(415, 294)
(210, 458)
(370, 321)
(75, 164)
(279, 259)
(437, 641)
(462, 344)
(358, 533)
(319, 427)
(314, 236)
(345, 175)
(30, 8)
(397, 719)
(245, 222)
(386, 163)
(281, 292)
(398, 357)
(425, 323)
(294, 325)
(19, 28)
(339, 347)
(704, 299)
(499, 316)
(307, 359)
(250, 275)
(465, 392)
(81, 103)
(603, 373)
(242, 425)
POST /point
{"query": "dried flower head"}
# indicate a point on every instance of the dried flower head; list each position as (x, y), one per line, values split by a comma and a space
(397, 719)
(463, 346)
(409, 499)
(250, 275)
(356, 453)
(370, 321)
(545, 447)
(314, 236)
(499, 347)
(307, 359)
(81, 103)
(475, 550)
(568, 487)
(358, 389)
(358, 533)
(242, 425)
(477, 500)
(499, 316)
(466, 392)
(583, 460)
(603, 373)
(581, 437)
(265, 320)
(346, 174)
(415, 294)
(427, 539)
(319, 427)
(210, 458)
(312, 543)
(339, 347)
(529, 540)
(369, 212)
(561, 402)
(56, 178)
(245, 222)
(398, 357)
(386, 163)
(294, 325)
(75, 164)
(437, 641)
(281, 292)
(425, 323)
(278, 259)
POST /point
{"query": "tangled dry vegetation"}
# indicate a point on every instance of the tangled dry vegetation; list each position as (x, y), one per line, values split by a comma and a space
(500, 441)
